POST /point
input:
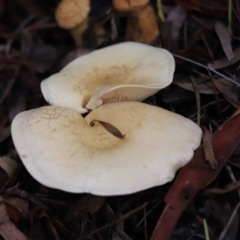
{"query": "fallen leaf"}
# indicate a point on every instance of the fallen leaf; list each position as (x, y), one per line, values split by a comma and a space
(38, 212)
(110, 217)
(224, 62)
(53, 229)
(231, 101)
(230, 92)
(110, 128)
(214, 8)
(114, 222)
(225, 39)
(88, 203)
(14, 214)
(17, 208)
(19, 203)
(208, 148)
(114, 30)
(228, 188)
(26, 39)
(7, 229)
(176, 17)
(10, 166)
(204, 86)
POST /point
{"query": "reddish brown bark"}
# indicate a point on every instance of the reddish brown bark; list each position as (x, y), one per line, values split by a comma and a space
(195, 176)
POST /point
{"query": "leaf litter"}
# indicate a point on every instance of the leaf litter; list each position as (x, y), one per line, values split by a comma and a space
(33, 47)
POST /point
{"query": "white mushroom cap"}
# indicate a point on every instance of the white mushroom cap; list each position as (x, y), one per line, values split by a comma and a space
(61, 150)
(122, 64)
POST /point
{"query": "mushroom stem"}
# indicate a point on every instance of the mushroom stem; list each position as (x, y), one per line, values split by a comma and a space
(142, 26)
(79, 30)
(142, 23)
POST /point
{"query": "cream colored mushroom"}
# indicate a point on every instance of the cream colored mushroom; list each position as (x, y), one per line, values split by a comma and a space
(125, 65)
(63, 150)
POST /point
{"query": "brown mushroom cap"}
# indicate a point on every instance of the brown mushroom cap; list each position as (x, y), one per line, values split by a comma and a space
(70, 13)
(63, 150)
(129, 64)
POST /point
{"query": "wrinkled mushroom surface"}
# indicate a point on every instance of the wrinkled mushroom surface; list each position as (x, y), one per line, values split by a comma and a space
(62, 150)
(126, 64)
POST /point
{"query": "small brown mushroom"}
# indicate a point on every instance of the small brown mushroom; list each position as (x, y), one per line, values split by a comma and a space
(72, 15)
(142, 23)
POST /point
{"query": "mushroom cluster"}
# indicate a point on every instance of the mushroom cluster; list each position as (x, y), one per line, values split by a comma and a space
(142, 22)
(122, 145)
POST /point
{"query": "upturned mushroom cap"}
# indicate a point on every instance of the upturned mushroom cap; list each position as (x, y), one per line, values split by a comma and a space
(63, 150)
(122, 64)
(70, 13)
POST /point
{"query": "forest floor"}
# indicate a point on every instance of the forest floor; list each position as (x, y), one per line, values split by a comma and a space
(204, 37)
